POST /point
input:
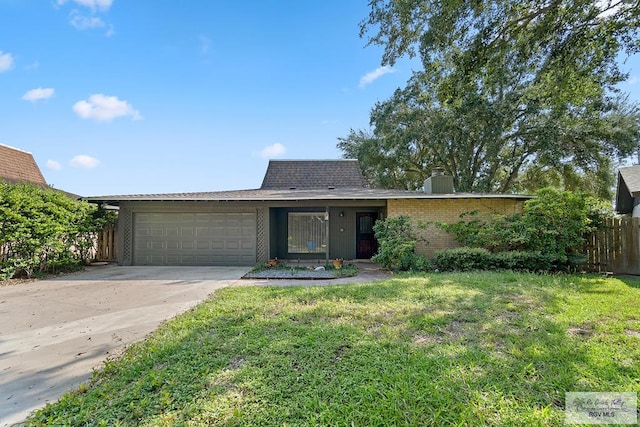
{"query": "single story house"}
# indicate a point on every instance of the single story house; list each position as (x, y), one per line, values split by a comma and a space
(628, 191)
(304, 210)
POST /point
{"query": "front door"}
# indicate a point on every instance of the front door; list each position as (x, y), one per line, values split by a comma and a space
(366, 243)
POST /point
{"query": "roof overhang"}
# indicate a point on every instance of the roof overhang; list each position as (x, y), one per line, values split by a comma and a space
(361, 194)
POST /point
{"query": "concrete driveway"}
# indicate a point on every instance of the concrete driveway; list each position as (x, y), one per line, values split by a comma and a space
(54, 332)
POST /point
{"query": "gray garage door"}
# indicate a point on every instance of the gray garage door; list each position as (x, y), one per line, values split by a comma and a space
(173, 238)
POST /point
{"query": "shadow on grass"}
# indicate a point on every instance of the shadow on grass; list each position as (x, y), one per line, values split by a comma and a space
(631, 281)
(441, 349)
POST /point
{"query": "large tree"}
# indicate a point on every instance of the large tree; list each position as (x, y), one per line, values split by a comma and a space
(512, 94)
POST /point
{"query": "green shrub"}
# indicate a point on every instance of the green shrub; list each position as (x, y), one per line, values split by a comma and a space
(397, 242)
(462, 259)
(498, 233)
(7, 271)
(469, 259)
(554, 223)
(422, 263)
(43, 230)
(523, 261)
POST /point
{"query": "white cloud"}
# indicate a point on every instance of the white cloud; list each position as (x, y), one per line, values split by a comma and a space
(84, 161)
(37, 94)
(53, 165)
(92, 4)
(88, 18)
(372, 76)
(81, 22)
(271, 151)
(6, 61)
(104, 108)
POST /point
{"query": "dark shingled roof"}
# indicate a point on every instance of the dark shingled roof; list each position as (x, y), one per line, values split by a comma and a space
(19, 166)
(312, 174)
(631, 177)
(628, 188)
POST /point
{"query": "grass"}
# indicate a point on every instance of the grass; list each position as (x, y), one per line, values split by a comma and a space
(440, 349)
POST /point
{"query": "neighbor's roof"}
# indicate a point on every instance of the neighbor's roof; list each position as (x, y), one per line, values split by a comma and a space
(17, 165)
(312, 174)
(631, 177)
(260, 195)
(628, 188)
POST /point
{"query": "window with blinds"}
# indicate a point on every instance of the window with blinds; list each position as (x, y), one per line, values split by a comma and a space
(307, 233)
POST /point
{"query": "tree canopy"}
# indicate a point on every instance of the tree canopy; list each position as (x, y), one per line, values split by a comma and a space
(512, 95)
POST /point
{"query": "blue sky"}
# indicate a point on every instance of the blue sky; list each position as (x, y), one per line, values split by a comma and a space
(158, 96)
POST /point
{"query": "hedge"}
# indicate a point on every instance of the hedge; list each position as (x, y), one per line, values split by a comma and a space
(44, 230)
(468, 259)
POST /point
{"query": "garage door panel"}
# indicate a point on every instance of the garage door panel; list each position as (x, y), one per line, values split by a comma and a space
(194, 239)
(203, 232)
(233, 231)
(154, 259)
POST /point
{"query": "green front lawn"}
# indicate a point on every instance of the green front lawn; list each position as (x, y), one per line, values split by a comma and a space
(433, 349)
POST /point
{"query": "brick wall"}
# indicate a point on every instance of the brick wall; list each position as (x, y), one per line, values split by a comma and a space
(447, 210)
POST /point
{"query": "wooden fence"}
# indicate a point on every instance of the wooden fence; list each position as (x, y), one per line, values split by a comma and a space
(106, 244)
(616, 248)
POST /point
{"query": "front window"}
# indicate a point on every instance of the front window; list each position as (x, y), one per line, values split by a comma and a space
(307, 233)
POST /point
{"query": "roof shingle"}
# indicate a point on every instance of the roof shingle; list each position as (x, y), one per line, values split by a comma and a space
(312, 174)
(631, 177)
(17, 166)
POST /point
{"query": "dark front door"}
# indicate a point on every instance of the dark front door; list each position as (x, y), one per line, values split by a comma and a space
(366, 244)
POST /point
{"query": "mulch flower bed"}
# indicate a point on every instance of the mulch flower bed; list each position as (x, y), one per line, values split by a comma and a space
(292, 273)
